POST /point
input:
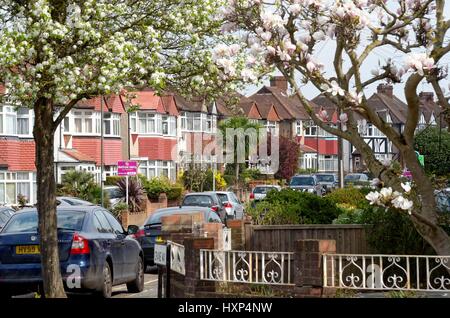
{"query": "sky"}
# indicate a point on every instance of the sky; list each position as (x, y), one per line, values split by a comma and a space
(325, 54)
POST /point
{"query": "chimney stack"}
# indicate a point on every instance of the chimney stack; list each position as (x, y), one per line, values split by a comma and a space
(385, 89)
(280, 82)
(426, 96)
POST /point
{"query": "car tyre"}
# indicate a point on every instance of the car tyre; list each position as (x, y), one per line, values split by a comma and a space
(137, 285)
(106, 288)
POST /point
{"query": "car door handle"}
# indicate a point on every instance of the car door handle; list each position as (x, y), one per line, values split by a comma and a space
(122, 243)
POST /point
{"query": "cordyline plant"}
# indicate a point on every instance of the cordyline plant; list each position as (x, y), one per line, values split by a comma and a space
(285, 35)
(54, 53)
(136, 195)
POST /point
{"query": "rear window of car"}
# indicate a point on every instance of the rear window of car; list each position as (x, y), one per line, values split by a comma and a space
(114, 193)
(223, 197)
(28, 221)
(198, 200)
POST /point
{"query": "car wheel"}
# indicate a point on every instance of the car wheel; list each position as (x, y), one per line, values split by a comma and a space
(137, 285)
(106, 288)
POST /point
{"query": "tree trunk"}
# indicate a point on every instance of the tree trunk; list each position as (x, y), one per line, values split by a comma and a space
(426, 221)
(46, 204)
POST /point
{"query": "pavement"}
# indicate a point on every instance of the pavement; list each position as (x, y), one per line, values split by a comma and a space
(120, 291)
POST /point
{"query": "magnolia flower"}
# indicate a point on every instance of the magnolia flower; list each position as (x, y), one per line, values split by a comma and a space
(406, 187)
(356, 97)
(266, 36)
(386, 193)
(272, 20)
(323, 115)
(402, 203)
(318, 36)
(295, 8)
(375, 182)
(419, 62)
(335, 89)
(343, 118)
(248, 75)
(373, 197)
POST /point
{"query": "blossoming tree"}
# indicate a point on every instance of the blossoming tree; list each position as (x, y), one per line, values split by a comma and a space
(286, 34)
(54, 53)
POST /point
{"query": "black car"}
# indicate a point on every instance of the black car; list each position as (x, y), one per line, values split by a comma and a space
(92, 244)
(207, 200)
(5, 214)
(151, 232)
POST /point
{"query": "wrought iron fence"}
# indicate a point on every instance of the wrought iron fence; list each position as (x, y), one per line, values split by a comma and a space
(387, 272)
(255, 267)
(177, 258)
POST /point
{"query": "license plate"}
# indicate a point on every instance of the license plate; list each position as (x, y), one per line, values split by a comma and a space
(159, 239)
(28, 249)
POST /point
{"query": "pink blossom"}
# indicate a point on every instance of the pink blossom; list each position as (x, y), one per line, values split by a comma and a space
(323, 115)
(295, 8)
(343, 118)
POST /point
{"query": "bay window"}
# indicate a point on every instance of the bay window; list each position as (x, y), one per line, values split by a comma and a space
(153, 123)
(198, 122)
(13, 184)
(86, 122)
(158, 168)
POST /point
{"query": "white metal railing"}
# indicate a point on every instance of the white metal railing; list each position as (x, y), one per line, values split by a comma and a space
(387, 272)
(177, 263)
(247, 267)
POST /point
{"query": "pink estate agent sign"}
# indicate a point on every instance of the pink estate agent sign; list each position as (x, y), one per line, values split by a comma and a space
(127, 168)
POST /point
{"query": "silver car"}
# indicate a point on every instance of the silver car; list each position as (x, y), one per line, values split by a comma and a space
(71, 201)
(306, 183)
(233, 207)
(328, 181)
(259, 192)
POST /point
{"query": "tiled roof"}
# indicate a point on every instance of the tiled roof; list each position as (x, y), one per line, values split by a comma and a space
(77, 155)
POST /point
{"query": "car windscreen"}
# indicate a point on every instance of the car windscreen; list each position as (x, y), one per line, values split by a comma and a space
(198, 200)
(28, 221)
(352, 177)
(75, 202)
(325, 178)
(262, 190)
(114, 193)
(302, 181)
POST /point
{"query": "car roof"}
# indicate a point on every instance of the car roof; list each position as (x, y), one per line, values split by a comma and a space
(78, 208)
(304, 175)
(177, 210)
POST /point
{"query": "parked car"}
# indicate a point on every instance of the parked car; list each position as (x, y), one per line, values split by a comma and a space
(72, 201)
(5, 214)
(259, 192)
(328, 181)
(150, 233)
(89, 238)
(233, 207)
(206, 200)
(357, 180)
(114, 194)
(306, 183)
(443, 200)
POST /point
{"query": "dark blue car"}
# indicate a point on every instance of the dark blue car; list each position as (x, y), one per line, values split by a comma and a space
(94, 250)
(151, 232)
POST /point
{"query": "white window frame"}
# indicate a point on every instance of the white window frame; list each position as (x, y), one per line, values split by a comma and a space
(113, 122)
(84, 116)
(158, 166)
(8, 112)
(29, 115)
(15, 178)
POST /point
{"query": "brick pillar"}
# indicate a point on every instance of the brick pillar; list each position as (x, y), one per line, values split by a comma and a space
(124, 218)
(192, 282)
(162, 200)
(308, 266)
(237, 234)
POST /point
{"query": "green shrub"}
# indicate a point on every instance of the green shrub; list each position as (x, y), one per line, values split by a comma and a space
(155, 186)
(282, 206)
(352, 197)
(392, 232)
(265, 213)
(112, 180)
(175, 192)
